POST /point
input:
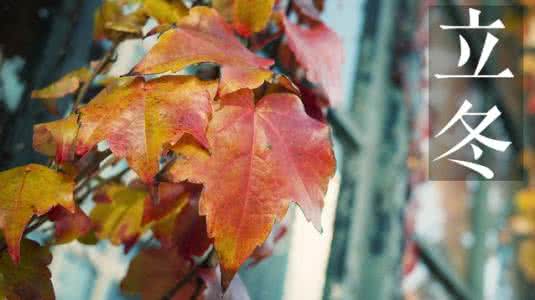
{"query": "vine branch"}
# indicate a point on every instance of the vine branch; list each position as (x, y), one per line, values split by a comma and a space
(191, 275)
(98, 69)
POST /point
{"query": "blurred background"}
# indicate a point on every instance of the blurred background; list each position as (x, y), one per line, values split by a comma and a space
(388, 231)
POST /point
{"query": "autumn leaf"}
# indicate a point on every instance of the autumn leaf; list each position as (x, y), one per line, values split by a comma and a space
(251, 16)
(204, 36)
(56, 138)
(530, 106)
(69, 226)
(141, 119)
(281, 84)
(522, 224)
(68, 84)
(118, 213)
(122, 213)
(526, 258)
(172, 198)
(165, 11)
(110, 22)
(30, 279)
(525, 202)
(319, 51)
(26, 191)
(260, 159)
(184, 230)
(247, 17)
(153, 272)
(225, 8)
(315, 104)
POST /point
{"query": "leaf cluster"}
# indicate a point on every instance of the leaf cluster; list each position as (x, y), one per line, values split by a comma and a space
(216, 140)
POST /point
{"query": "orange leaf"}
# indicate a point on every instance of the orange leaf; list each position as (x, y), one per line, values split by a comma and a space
(320, 52)
(31, 278)
(27, 191)
(66, 85)
(153, 272)
(251, 16)
(203, 36)
(69, 226)
(260, 159)
(141, 119)
(56, 138)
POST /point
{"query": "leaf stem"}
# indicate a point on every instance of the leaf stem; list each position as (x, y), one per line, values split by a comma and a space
(186, 279)
(198, 289)
(100, 66)
(117, 176)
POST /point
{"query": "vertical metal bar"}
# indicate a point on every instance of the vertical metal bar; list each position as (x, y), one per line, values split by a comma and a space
(478, 255)
(365, 260)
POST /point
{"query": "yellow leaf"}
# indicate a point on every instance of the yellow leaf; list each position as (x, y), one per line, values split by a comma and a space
(111, 23)
(118, 218)
(26, 191)
(165, 11)
(522, 225)
(525, 201)
(123, 213)
(251, 16)
(66, 85)
(526, 258)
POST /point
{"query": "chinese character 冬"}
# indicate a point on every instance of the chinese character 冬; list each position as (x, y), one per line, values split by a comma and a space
(474, 135)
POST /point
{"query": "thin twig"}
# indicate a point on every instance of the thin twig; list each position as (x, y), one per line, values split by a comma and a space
(101, 65)
(198, 289)
(186, 279)
(115, 177)
(288, 8)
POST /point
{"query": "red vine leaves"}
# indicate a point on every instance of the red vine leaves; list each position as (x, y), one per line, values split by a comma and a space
(244, 145)
(141, 119)
(277, 153)
(204, 36)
